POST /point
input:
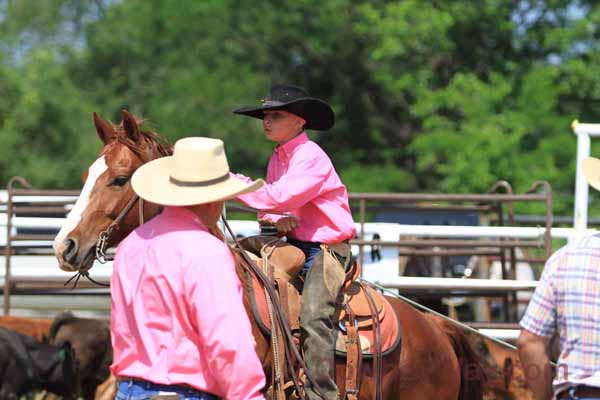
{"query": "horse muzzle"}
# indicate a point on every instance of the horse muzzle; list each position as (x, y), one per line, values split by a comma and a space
(71, 257)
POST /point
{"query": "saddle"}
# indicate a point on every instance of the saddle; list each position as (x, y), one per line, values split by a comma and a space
(361, 312)
(286, 259)
(285, 262)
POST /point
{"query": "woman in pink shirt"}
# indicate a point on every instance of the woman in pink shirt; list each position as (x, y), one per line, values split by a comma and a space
(302, 183)
(178, 323)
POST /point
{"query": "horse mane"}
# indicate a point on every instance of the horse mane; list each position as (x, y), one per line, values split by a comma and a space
(152, 145)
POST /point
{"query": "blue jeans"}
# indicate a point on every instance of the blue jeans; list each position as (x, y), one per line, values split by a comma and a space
(137, 389)
(310, 250)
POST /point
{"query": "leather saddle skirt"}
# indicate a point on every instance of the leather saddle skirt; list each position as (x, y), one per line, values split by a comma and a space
(356, 299)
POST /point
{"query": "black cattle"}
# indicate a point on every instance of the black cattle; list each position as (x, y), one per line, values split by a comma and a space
(90, 339)
(27, 365)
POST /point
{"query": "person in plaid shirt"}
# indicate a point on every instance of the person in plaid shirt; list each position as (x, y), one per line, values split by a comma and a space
(566, 302)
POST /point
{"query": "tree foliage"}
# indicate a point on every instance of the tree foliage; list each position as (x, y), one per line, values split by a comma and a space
(440, 96)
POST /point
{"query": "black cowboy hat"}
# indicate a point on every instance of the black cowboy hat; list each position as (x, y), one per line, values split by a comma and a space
(317, 113)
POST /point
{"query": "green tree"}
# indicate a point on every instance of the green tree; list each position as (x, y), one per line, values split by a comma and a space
(429, 95)
(42, 125)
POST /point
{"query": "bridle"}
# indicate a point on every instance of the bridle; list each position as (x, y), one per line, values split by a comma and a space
(157, 150)
(103, 238)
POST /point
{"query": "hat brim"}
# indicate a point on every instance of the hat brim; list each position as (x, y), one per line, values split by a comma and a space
(591, 170)
(317, 114)
(152, 183)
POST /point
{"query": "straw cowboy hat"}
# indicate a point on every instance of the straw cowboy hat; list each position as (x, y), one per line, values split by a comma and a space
(318, 114)
(196, 173)
(591, 170)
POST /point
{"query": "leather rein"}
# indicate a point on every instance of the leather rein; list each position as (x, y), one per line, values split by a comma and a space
(280, 319)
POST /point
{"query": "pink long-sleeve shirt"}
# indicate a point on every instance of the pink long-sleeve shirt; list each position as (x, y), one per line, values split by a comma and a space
(177, 315)
(302, 181)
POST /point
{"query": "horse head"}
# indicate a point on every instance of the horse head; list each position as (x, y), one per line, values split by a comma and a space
(106, 199)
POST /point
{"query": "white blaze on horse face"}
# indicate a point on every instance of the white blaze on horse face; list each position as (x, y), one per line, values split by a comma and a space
(95, 171)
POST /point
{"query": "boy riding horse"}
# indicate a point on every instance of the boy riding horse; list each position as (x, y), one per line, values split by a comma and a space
(302, 182)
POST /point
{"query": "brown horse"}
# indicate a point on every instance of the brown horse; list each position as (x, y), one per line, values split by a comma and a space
(434, 361)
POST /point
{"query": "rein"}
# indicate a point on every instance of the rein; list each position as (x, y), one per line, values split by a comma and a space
(290, 347)
(453, 321)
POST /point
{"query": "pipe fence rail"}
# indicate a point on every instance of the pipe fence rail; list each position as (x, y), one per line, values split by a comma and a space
(24, 207)
(28, 211)
(496, 206)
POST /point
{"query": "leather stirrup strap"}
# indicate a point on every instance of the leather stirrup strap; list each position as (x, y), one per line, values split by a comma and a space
(377, 345)
(276, 344)
(353, 355)
(282, 288)
(141, 211)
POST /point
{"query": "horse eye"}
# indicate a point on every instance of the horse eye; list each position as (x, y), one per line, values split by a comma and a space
(120, 181)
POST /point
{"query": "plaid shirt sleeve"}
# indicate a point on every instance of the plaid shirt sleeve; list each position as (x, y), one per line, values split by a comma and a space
(540, 317)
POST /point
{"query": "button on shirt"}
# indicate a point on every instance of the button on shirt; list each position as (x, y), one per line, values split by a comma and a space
(302, 181)
(567, 301)
(177, 315)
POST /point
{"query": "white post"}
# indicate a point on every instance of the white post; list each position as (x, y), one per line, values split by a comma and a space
(583, 132)
(581, 186)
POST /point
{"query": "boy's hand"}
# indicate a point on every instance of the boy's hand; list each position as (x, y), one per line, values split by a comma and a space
(286, 224)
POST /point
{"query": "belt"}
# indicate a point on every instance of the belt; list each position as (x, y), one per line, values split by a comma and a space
(579, 391)
(293, 240)
(342, 248)
(301, 242)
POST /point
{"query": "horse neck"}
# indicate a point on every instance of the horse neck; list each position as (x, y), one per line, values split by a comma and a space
(216, 232)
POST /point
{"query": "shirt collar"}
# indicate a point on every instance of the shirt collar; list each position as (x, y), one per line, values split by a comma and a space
(284, 151)
(183, 214)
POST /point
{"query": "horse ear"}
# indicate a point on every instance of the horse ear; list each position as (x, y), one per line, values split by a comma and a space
(130, 126)
(105, 130)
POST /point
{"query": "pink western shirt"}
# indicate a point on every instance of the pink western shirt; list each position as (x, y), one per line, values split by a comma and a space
(301, 181)
(177, 315)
